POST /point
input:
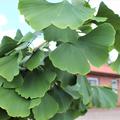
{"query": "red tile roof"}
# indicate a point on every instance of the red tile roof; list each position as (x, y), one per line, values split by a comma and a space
(103, 69)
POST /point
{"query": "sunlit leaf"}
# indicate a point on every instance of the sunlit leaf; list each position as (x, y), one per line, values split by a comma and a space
(28, 37)
(93, 48)
(62, 14)
(53, 33)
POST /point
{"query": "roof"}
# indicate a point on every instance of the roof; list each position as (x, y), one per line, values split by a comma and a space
(105, 69)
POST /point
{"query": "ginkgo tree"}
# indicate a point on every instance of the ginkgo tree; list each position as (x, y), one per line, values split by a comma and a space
(42, 84)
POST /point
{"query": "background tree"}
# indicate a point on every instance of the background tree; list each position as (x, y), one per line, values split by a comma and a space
(44, 84)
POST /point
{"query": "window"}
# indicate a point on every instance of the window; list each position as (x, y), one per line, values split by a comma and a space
(93, 81)
(115, 85)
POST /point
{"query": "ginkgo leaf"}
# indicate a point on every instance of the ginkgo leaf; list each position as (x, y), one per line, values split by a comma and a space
(9, 67)
(18, 35)
(104, 97)
(99, 19)
(28, 37)
(112, 18)
(7, 44)
(63, 99)
(17, 82)
(53, 33)
(117, 41)
(63, 116)
(47, 108)
(36, 84)
(35, 60)
(65, 78)
(15, 105)
(93, 48)
(34, 102)
(80, 90)
(116, 65)
(78, 108)
(62, 14)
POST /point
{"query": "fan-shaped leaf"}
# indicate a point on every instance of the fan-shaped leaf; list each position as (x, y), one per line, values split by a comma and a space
(92, 48)
(47, 108)
(63, 99)
(36, 84)
(9, 67)
(15, 105)
(35, 60)
(7, 44)
(116, 65)
(104, 97)
(53, 33)
(112, 18)
(18, 35)
(61, 14)
(35, 102)
(63, 116)
(17, 82)
(80, 90)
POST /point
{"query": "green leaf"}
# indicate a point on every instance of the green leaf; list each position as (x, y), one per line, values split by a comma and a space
(80, 90)
(63, 116)
(47, 108)
(93, 48)
(68, 57)
(78, 108)
(7, 44)
(34, 102)
(63, 99)
(35, 60)
(18, 35)
(104, 97)
(116, 65)
(86, 28)
(28, 37)
(99, 19)
(2, 81)
(17, 82)
(61, 15)
(53, 33)
(65, 78)
(36, 84)
(117, 41)
(3, 115)
(112, 18)
(9, 67)
(15, 105)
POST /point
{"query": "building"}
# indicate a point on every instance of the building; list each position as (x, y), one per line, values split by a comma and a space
(104, 76)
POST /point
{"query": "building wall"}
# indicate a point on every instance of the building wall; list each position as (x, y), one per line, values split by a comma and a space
(107, 81)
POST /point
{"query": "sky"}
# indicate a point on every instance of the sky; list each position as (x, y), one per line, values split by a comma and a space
(11, 20)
